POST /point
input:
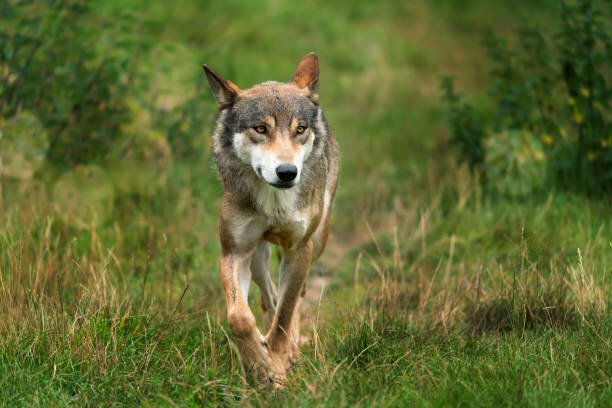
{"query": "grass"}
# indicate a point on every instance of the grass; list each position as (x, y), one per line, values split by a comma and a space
(431, 293)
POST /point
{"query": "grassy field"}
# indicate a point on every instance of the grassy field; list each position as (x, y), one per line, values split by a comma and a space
(431, 292)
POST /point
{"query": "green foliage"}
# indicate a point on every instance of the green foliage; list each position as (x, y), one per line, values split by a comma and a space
(586, 57)
(23, 145)
(184, 124)
(554, 87)
(514, 162)
(53, 64)
(467, 127)
(72, 93)
(84, 196)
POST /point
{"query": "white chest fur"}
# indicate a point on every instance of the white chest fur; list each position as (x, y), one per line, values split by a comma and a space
(276, 203)
(279, 207)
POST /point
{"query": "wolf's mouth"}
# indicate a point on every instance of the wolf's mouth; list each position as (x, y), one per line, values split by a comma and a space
(280, 184)
(283, 185)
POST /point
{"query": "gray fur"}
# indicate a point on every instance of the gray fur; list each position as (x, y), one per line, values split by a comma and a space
(273, 100)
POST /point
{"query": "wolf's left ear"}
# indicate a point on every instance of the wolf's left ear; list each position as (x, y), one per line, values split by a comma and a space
(307, 72)
(225, 91)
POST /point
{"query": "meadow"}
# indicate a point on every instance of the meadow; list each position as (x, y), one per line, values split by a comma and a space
(432, 291)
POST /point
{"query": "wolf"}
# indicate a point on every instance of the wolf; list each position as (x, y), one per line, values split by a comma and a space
(279, 164)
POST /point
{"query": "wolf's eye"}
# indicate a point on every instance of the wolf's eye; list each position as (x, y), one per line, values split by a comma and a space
(300, 129)
(260, 129)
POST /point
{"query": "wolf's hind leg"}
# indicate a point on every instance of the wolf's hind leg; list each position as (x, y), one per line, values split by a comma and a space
(261, 275)
(319, 237)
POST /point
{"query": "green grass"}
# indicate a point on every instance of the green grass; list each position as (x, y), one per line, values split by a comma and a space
(431, 292)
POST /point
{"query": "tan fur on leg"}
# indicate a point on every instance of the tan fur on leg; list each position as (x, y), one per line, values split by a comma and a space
(261, 276)
(251, 345)
(294, 269)
(294, 334)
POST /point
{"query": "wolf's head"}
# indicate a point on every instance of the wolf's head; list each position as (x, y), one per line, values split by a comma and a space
(271, 126)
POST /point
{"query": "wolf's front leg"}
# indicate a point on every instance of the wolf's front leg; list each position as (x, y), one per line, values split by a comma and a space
(252, 346)
(295, 266)
(261, 276)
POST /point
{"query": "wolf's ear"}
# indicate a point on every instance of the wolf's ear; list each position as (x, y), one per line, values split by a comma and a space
(307, 72)
(225, 91)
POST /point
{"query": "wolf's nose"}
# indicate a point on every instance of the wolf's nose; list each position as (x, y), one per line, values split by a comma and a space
(286, 172)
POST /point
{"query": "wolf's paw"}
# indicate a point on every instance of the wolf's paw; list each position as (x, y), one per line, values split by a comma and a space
(279, 365)
(294, 351)
(255, 358)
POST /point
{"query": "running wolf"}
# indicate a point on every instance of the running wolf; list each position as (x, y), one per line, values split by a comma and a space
(278, 163)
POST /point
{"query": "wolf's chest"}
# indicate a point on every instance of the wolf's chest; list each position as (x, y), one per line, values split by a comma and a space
(277, 204)
(281, 212)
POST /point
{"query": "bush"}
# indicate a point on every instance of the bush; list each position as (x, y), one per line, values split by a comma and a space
(554, 87)
(23, 146)
(466, 125)
(78, 113)
(515, 160)
(83, 197)
(54, 64)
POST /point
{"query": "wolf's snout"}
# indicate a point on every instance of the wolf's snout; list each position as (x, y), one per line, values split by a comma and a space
(286, 172)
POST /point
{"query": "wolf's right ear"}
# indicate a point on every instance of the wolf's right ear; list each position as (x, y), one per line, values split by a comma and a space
(307, 72)
(225, 91)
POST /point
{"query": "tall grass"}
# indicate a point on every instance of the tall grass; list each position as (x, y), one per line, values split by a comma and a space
(77, 325)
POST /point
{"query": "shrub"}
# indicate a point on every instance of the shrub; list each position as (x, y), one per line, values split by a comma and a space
(515, 160)
(554, 87)
(84, 196)
(467, 127)
(54, 64)
(23, 145)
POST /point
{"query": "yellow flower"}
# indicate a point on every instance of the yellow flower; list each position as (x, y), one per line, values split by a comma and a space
(585, 92)
(578, 117)
(539, 156)
(547, 139)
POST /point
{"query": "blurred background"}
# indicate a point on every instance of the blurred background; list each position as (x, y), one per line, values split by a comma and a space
(471, 131)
